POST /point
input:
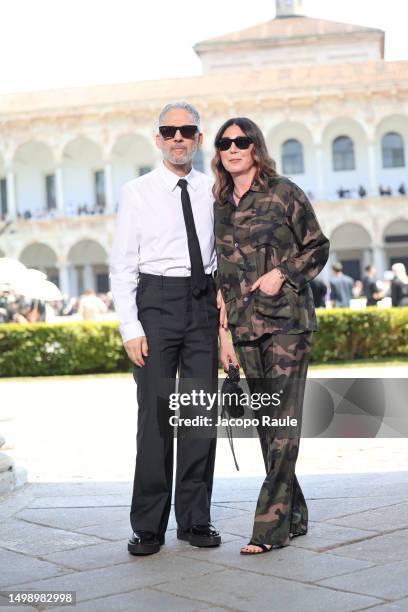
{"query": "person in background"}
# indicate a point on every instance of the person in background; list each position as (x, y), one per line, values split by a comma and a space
(370, 286)
(91, 307)
(358, 289)
(341, 287)
(399, 285)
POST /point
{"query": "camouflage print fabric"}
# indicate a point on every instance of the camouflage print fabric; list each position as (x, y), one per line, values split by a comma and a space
(274, 228)
(274, 363)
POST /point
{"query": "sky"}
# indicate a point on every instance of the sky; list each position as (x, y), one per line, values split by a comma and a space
(46, 44)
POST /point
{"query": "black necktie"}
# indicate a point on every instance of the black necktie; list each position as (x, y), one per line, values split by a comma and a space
(198, 278)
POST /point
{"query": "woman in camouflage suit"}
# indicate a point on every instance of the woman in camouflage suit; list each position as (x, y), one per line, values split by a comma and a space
(269, 246)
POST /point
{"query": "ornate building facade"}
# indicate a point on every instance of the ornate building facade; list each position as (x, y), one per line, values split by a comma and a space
(334, 113)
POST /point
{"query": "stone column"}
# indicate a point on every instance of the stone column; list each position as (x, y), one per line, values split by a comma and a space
(73, 281)
(109, 202)
(372, 174)
(320, 187)
(88, 277)
(59, 188)
(63, 271)
(11, 195)
(379, 260)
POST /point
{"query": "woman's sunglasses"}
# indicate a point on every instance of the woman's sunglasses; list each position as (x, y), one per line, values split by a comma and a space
(169, 131)
(241, 142)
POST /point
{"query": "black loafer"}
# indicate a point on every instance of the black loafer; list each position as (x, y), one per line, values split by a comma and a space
(144, 543)
(200, 535)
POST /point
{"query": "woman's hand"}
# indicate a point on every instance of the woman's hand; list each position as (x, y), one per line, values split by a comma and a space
(227, 353)
(223, 310)
(270, 283)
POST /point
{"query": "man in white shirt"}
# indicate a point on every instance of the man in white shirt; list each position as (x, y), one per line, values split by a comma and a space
(162, 267)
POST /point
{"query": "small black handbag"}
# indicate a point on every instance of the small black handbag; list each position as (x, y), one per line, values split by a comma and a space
(231, 407)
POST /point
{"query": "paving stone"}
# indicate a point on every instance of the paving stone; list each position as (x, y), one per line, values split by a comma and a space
(142, 599)
(239, 590)
(115, 530)
(387, 582)
(236, 489)
(15, 501)
(323, 535)
(394, 517)
(380, 549)
(73, 518)
(56, 489)
(37, 540)
(248, 506)
(395, 606)
(289, 562)
(363, 485)
(17, 567)
(143, 572)
(80, 501)
(324, 509)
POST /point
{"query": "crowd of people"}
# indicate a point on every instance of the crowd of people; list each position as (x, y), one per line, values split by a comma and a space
(92, 306)
(89, 306)
(362, 191)
(343, 290)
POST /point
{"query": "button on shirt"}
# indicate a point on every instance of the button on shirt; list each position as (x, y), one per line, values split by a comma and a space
(150, 236)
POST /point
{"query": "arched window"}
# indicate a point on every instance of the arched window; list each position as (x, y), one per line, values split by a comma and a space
(198, 161)
(343, 154)
(392, 147)
(292, 157)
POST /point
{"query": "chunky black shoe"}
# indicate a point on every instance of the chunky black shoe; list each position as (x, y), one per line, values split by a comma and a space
(200, 535)
(144, 543)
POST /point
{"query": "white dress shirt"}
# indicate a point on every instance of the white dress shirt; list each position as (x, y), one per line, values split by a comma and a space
(150, 236)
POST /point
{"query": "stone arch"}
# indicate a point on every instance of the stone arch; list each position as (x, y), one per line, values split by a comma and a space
(132, 155)
(41, 256)
(351, 244)
(348, 180)
(395, 237)
(294, 130)
(88, 266)
(33, 165)
(83, 176)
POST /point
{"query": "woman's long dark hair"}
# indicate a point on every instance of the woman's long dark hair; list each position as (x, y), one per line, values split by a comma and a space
(265, 165)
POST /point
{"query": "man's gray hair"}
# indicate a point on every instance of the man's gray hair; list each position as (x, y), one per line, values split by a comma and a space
(189, 108)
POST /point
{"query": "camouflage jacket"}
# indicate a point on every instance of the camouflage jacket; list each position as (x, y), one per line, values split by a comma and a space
(269, 229)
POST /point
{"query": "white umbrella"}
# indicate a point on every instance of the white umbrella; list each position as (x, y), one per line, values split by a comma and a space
(44, 290)
(27, 278)
(25, 281)
(10, 269)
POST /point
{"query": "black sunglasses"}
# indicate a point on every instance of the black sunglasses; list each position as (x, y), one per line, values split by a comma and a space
(169, 131)
(241, 142)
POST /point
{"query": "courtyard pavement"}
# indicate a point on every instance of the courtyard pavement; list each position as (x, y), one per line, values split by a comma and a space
(67, 527)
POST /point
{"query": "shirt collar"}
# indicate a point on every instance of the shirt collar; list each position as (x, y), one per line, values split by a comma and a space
(171, 179)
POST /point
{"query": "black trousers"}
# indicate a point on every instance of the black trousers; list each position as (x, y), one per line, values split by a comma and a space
(181, 333)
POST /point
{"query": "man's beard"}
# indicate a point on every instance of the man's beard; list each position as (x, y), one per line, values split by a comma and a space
(180, 161)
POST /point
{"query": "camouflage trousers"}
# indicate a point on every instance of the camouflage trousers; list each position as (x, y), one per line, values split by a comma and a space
(278, 363)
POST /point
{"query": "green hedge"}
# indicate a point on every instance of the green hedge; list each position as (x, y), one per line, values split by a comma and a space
(40, 349)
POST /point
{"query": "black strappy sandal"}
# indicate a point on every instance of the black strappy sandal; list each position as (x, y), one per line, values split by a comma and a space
(265, 549)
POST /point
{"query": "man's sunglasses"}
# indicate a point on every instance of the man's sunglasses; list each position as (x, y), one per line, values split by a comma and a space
(241, 142)
(169, 131)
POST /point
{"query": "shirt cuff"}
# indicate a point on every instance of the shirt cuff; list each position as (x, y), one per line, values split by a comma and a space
(131, 330)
